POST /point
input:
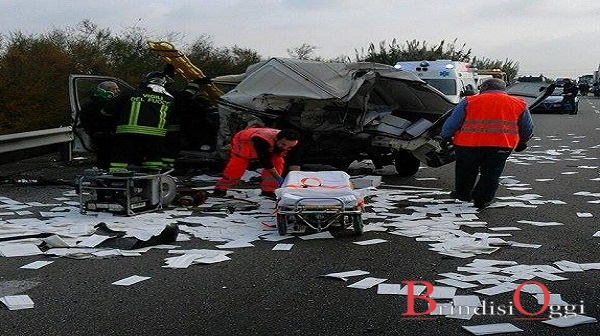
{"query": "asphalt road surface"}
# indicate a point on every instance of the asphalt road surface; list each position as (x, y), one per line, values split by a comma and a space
(265, 292)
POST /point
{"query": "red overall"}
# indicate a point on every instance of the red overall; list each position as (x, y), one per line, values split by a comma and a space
(242, 151)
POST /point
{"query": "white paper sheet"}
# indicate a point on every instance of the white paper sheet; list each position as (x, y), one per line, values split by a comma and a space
(19, 250)
(366, 283)
(569, 321)
(393, 289)
(489, 329)
(370, 242)
(130, 280)
(36, 264)
(345, 275)
(17, 302)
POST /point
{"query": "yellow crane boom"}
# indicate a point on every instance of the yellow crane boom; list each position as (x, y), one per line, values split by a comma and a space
(183, 65)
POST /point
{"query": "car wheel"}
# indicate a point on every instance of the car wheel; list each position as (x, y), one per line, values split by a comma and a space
(406, 163)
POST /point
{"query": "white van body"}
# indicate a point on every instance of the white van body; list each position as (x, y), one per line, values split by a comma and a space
(454, 79)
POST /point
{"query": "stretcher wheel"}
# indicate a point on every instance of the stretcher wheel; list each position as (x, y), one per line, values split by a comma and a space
(282, 225)
(358, 225)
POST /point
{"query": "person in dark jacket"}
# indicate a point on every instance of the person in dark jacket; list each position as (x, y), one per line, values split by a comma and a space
(189, 121)
(98, 126)
(142, 116)
(485, 129)
(569, 94)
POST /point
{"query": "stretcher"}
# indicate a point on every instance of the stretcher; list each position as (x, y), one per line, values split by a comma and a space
(319, 201)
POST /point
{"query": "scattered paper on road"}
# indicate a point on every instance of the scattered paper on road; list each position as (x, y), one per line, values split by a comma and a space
(130, 280)
(569, 321)
(371, 242)
(19, 250)
(17, 302)
(490, 329)
(366, 283)
(283, 247)
(345, 275)
(36, 264)
(384, 288)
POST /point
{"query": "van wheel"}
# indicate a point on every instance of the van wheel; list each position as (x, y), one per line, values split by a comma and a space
(406, 163)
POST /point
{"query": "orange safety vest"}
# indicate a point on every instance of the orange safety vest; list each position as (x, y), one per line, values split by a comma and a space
(491, 119)
(241, 144)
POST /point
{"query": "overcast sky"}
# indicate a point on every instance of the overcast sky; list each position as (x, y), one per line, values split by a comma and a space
(557, 38)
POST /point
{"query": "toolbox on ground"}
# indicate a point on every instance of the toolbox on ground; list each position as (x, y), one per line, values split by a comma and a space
(127, 193)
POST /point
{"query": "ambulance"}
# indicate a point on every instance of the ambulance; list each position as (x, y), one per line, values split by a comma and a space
(454, 79)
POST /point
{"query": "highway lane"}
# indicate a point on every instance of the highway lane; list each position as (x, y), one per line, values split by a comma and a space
(265, 292)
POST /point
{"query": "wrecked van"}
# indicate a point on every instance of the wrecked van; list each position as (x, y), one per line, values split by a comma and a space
(344, 111)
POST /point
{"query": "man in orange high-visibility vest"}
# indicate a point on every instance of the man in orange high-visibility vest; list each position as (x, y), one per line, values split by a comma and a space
(270, 146)
(485, 129)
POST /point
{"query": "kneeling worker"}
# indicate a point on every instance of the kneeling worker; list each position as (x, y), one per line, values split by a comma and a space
(270, 146)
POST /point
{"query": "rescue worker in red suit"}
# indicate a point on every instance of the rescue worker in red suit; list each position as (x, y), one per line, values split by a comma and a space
(270, 146)
(485, 129)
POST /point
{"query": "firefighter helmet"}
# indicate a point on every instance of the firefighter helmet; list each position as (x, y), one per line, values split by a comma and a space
(155, 77)
(106, 90)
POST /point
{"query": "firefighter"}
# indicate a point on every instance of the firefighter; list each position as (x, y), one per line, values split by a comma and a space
(100, 127)
(270, 146)
(142, 116)
(188, 120)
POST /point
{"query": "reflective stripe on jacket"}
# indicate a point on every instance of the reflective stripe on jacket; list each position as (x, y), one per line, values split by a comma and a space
(242, 146)
(491, 119)
(146, 114)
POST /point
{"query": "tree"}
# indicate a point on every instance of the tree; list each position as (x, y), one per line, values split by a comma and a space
(413, 51)
(220, 61)
(420, 51)
(304, 52)
(34, 92)
(35, 69)
(510, 67)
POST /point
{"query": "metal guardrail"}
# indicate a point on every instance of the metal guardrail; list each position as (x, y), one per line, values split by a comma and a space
(26, 140)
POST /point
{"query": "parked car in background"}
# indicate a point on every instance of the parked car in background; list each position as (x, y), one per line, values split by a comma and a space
(552, 103)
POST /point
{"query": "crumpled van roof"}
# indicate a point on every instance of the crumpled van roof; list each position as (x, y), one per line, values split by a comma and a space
(306, 79)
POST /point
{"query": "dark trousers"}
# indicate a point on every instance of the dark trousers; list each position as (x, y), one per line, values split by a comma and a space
(130, 149)
(102, 145)
(568, 105)
(487, 163)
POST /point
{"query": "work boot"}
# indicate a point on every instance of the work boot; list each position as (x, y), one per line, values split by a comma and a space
(454, 195)
(481, 205)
